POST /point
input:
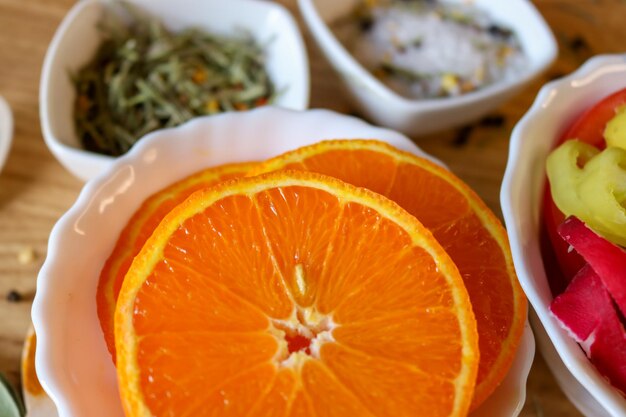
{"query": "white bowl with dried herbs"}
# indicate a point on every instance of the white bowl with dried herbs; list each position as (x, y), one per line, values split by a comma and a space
(116, 71)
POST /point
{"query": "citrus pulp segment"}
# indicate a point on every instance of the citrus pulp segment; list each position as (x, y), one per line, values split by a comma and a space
(251, 298)
(137, 231)
(459, 220)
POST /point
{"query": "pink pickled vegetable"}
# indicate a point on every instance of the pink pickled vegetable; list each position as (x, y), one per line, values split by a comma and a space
(608, 351)
(582, 306)
(606, 259)
(587, 312)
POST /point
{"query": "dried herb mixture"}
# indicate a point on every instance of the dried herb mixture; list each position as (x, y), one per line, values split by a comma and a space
(145, 77)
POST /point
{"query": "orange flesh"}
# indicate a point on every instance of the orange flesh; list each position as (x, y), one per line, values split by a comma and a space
(138, 230)
(458, 219)
(30, 381)
(475, 252)
(210, 304)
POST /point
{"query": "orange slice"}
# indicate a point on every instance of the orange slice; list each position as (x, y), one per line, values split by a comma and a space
(139, 228)
(459, 220)
(294, 294)
(30, 381)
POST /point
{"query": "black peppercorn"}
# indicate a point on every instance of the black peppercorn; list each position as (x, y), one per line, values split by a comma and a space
(14, 297)
(462, 136)
(495, 120)
(499, 32)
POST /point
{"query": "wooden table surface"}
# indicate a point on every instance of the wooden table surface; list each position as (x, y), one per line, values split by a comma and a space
(35, 190)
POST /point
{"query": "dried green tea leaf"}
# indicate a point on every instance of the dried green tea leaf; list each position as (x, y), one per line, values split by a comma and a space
(144, 77)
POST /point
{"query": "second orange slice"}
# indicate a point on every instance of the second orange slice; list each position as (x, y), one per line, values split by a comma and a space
(459, 220)
(138, 230)
(294, 294)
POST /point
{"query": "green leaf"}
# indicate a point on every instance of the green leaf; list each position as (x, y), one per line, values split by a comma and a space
(11, 404)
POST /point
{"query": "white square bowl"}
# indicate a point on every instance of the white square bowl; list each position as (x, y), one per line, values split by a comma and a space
(6, 130)
(556, 105)
(424, 116)
(77, 39)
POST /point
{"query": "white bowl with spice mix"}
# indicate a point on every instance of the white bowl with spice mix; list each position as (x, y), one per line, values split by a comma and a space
(421, 66)
(269, 26)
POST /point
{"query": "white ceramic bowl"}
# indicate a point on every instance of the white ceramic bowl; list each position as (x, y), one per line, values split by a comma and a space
(6, 130)
(72, 361)
(556, 105)
(77, 39)
(420, 117)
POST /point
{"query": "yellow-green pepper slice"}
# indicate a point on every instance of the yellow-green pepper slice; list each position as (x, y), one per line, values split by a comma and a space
(591, 185)
(615, 130)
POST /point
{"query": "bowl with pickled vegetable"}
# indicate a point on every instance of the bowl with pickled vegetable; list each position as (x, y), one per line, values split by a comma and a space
(116, 71)
(421, 66)
(564, 203)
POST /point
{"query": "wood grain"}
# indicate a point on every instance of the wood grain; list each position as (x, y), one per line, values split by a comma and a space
(35, 190)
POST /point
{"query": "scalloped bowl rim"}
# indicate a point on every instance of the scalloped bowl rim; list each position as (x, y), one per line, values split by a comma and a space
(528, 264)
